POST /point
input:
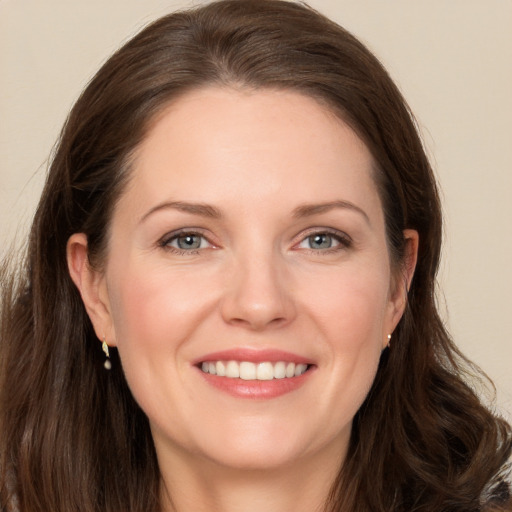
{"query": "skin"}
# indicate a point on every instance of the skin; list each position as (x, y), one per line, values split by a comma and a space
(257, 281)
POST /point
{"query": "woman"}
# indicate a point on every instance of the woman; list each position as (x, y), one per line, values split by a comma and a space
(228, 301)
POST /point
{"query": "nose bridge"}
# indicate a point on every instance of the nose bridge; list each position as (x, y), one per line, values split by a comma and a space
(257, 294)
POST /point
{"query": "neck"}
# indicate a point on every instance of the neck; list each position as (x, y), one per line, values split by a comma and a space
(204, 486)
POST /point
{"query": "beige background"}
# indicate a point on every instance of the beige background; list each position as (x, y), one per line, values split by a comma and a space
(451, 58)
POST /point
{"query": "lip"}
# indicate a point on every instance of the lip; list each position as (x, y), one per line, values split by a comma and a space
(253, 356)
(255, 389)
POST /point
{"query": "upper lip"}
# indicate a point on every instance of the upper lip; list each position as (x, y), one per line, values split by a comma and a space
(253, 356)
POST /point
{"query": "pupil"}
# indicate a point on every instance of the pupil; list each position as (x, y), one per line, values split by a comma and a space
(189, 242)
(320, 241)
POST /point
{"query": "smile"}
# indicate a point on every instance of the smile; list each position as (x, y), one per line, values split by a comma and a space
(247, 370)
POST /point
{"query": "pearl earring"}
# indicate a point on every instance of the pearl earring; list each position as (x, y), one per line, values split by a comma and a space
(389, 340)
(107, 364)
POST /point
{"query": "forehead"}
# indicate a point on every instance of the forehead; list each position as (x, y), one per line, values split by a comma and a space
(216, 144)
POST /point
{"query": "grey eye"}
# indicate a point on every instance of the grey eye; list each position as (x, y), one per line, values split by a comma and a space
(321, 241)
(188, 241)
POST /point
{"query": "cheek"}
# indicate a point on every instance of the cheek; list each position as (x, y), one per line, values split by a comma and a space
(153, 310)
(351, 315)
(154, 315)
(352, 306)
(157, 310)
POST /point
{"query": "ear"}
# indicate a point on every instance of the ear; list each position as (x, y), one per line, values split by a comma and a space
(91, 284)
(400, 288)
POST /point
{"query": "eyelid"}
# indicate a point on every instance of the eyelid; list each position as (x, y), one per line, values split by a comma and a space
(165, 240)
(344, 240)
(342, 237)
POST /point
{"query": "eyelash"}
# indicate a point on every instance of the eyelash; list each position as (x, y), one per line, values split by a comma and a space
(343, 240)
(165, 241)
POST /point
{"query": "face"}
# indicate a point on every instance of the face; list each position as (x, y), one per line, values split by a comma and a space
(247, 284)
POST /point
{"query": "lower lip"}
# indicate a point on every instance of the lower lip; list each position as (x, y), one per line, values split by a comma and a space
(257, 389)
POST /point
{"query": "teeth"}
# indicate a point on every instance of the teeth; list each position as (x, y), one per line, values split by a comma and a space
(221, 369)
(247, 370)
(300, 369)
(232, 370)
(265, 371)
(280, 370)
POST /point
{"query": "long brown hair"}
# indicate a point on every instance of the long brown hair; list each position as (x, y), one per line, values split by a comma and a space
(71, 435)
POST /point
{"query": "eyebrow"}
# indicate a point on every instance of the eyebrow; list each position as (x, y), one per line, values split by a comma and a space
(206, 210)
(203, 210)
(308, 210)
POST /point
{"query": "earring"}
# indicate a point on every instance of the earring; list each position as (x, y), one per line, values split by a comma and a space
(107, 364)
(389, 340)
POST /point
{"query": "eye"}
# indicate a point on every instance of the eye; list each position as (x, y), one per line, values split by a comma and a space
(323, 241)
(319, 241)
(185, 242)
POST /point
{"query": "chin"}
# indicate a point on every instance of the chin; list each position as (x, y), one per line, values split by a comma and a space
(268, 446)
(255, 457)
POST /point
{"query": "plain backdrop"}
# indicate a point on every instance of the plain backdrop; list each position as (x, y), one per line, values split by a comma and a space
(451, 58)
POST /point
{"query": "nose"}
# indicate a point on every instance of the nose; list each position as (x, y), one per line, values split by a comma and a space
(258, 294)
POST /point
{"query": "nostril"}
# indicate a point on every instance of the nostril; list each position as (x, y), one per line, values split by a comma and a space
(278, 321)
(259, 323)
